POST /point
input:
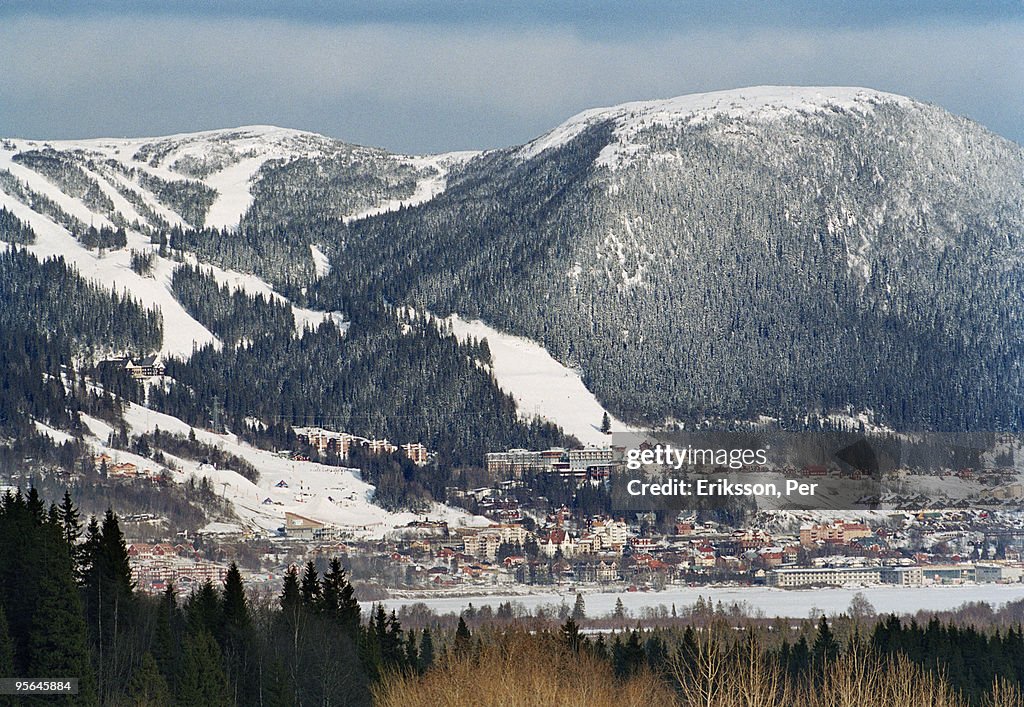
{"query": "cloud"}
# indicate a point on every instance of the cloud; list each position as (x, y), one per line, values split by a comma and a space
(419, 87)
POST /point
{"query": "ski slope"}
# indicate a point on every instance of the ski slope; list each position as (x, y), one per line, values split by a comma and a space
(539, 384)
(333, 495)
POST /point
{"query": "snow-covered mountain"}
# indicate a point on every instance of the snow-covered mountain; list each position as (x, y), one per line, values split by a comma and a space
(766, 251)
(773, 250)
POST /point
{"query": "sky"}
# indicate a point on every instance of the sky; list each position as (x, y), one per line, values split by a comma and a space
(420, 76)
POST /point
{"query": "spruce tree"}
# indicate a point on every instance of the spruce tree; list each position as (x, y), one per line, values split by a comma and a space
(825, 646)
(291, 598)
(70, 520)
(235, 606)
(412, 654)
(57, 643)
(235, 638)
(462, 638)
(6, 648)
(330, 590)
(349, 612)
(309, 590)
(147, 686)
(579, 609)
(570, 634)
(203, 609)
(426, 660)
(201, 680)
(166, 639)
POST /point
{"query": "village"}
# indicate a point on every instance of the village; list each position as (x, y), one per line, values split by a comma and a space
(525, 539)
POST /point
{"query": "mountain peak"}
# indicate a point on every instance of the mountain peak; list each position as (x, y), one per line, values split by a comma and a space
(752, 103)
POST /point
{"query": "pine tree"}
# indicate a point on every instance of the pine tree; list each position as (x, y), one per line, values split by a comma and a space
(620, 610)
(606, 423)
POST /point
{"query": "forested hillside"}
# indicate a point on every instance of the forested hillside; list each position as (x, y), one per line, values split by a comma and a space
(789, 252)
(782, 255)
(404, 379)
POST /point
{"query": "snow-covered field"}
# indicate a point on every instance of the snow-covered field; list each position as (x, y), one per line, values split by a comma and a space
(540, 384)
(761, 601)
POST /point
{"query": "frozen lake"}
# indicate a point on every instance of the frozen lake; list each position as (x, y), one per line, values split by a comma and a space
(766, 601)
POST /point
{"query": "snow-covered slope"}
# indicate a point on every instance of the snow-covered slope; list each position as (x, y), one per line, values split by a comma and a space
(137, 183)
(225, 161)
(757, 104)
(779, 251)
(540, 384)
(332, 495)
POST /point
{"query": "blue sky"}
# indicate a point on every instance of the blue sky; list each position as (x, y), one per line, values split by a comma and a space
(421, 76)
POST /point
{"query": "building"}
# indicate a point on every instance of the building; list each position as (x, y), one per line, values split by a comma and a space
(904, 576)
(997, 572)
(518, 462)
(591, 457)
(298, 527)
(147, 367)
(948, 574)
(483, 545)
(342, 443)
(839, 532)
(837, 576)
(416, 452)
(613, 533)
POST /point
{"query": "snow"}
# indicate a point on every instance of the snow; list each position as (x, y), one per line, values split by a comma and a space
(320, 261)
(332, 495)
(182, 333)
(253, 285)
(426, 189)
(233, 194)
(38, 183)
(759, 103)
(58, 436)
(769, 602)
(540, 384)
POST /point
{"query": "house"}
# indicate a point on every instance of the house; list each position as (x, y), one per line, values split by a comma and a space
(123, 470)
(607, 572)
(557, 540)
(147, 367)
